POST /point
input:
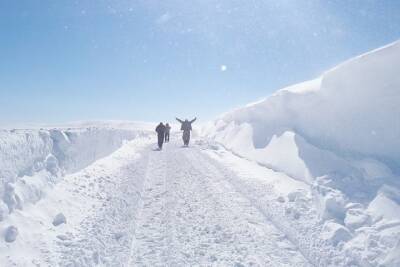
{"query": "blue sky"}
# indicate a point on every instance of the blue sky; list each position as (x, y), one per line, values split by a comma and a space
(150, 60)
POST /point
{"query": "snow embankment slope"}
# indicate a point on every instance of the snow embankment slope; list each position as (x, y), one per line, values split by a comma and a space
(339, 133)
(33, 160)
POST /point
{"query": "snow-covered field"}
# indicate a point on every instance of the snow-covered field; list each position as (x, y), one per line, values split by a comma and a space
(310, 176)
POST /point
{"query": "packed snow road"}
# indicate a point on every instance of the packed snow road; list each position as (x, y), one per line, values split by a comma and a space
(182, 213)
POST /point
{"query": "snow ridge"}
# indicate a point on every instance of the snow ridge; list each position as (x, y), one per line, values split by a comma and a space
(31, 161)
(340, 134)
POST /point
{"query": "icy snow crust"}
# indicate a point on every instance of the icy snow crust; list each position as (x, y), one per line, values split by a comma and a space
(338, 134)
(33, 160)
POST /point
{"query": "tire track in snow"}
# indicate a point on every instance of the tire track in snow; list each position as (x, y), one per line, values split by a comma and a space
(152, 170)
(192, 216)
(231, 178)
(303, 232)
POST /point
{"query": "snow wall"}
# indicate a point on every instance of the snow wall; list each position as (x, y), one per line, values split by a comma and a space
(340, 134)
(350, 112)
(33, 160)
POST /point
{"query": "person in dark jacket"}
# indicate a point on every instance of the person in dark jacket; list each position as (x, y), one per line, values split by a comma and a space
(186, 127)
(167, 130)
(160, 134)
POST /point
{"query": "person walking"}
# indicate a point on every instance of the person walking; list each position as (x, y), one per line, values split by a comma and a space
(160, 129)
(167, 130)
(186, 127)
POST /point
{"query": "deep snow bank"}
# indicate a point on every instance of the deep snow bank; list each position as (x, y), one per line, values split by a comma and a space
(352, 109)
(339, 133)
(32, 160)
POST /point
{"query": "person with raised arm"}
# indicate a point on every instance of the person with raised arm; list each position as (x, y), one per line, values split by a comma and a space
(167, 131)
(186, 127)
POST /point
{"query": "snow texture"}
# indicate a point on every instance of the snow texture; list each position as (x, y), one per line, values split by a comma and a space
(339, 134)
(35, 159)
(142, 207)
(59, 219)
(11, 234)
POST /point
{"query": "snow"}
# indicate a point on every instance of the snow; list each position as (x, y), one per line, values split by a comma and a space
(335, 233)
(393, 259)
(97, 199)
(339, 134)
(346, 110)
(306, 177)
(59, 219)
(286, 202)
(356, 217)
(32, 160)
(197, 217)
(384, 206)
(144, 207)
(11, 234)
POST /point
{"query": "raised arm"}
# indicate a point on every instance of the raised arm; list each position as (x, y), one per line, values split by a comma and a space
(193, 120)
(181, 121)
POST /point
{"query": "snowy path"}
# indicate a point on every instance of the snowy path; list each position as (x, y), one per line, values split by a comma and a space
(174, 207)
(191, 216)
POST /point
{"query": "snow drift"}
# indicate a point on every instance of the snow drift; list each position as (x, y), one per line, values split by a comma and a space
(33, 160)
(340, 134)
(352, 109)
